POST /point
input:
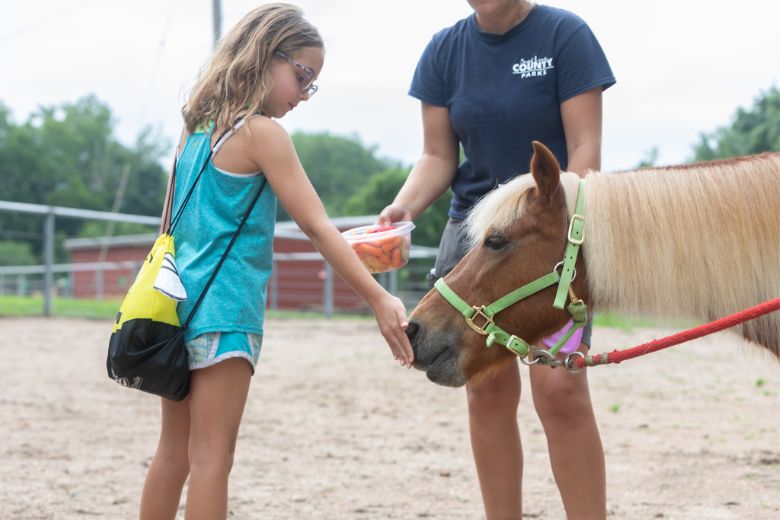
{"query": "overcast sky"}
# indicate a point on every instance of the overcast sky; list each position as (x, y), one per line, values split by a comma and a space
(682, 67)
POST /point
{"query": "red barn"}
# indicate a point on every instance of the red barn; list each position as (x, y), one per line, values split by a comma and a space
(298, 283)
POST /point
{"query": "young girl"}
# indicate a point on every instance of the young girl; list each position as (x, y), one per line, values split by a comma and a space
(261, 70)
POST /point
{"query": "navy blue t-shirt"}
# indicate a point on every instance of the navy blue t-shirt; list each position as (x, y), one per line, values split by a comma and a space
(504, 91)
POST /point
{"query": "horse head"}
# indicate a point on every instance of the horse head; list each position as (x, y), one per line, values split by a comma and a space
(518, 234)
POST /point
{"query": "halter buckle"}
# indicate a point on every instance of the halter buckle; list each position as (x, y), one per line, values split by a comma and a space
(478, 311)
(576, 241)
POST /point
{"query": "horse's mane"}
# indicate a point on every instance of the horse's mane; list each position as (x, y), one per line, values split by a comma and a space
(699, 241)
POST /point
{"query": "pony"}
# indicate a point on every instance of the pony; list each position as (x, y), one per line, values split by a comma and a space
(694, 241)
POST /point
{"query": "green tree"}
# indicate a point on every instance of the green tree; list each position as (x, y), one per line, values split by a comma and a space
(381, 189)
(16, 253)
(336, 166)
(650, 159)
(754, 130)
(95, 229)
(68, 155)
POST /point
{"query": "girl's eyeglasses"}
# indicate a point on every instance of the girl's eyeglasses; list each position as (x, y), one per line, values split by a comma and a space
(307, 82)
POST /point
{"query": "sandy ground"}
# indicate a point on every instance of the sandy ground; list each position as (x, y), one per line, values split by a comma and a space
(334, 430)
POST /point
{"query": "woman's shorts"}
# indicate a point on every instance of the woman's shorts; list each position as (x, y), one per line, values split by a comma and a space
(454, 246)
(211, 348)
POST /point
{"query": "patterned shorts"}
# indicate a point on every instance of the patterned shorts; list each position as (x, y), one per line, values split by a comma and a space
(211, 348)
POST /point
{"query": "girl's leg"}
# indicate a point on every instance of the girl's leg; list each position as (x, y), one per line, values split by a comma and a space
(170, 465)
(217, 397)
(495, 441)
(562, 400)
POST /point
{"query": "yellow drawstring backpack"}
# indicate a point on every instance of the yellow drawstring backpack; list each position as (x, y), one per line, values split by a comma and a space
(146, 350)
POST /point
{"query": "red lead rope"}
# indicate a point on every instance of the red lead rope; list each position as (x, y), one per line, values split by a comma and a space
(616, 356)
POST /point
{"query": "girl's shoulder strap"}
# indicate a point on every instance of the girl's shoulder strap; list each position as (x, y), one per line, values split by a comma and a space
(227, 135)
(236, 127)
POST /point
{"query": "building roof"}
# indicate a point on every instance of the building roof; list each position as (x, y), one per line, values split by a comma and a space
(286, 229)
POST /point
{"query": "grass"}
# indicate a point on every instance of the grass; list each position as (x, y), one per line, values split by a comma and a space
(18, 306)
(622, 322)
(11, 305)
(63, 307)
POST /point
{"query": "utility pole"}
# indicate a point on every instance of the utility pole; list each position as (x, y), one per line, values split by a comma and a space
(216, 11)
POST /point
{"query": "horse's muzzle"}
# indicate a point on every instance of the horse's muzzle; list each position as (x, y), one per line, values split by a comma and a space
(435, 354)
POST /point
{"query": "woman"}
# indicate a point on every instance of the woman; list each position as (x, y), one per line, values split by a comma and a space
(508, 74)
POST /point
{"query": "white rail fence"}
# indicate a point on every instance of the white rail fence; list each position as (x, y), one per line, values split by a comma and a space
(50, 279)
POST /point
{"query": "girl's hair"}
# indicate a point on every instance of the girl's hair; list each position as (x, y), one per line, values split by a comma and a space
(236, 82)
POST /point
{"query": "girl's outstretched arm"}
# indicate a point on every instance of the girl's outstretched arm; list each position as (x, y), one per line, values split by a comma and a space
(271, 148)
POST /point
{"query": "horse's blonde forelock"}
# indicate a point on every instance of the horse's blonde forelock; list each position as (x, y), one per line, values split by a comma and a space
(497, 210)
(500, 208)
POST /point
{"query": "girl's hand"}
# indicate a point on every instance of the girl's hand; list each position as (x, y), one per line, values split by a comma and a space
(393, 213)
(390, 315)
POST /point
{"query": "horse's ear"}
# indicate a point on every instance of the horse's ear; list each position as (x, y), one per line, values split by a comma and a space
(545, 169)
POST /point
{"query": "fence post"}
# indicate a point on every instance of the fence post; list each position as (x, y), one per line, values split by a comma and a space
(48, 249)
(71, 279)
(328, 296)
(393, 282)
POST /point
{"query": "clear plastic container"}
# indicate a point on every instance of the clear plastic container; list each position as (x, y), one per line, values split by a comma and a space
(381, 248)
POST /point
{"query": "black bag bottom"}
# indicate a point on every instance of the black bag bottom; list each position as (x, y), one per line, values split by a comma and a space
(150, 356)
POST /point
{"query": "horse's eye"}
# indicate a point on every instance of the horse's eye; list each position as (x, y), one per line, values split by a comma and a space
(496, 242)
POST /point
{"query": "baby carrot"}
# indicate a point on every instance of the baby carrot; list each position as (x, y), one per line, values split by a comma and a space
(391, 243)
(368, 249)
(396, 259)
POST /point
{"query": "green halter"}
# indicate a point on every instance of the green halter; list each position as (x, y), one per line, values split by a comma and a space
(576, 308)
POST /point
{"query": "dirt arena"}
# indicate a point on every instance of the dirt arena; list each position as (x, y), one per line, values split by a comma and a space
(335, 430)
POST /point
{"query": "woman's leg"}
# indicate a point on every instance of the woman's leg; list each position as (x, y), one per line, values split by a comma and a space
(495, 441)
(170, 465)
(562, 400)
(217, 397)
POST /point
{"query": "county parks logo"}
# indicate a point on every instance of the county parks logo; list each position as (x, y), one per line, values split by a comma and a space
(532, 67)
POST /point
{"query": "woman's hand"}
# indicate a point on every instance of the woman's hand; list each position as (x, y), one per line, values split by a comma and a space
(390, 315)
(393, 213)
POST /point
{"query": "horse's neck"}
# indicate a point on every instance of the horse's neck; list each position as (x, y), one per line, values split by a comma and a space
(689, 241)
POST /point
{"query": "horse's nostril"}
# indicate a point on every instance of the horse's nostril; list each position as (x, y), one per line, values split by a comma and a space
(411, 330)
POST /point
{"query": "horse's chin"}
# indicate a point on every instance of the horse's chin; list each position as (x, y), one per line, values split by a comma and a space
(445, 370)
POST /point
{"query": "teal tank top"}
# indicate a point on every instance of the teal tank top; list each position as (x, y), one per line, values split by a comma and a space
(236, 300)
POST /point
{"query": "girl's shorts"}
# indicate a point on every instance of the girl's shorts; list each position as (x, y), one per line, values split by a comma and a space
(211, 348)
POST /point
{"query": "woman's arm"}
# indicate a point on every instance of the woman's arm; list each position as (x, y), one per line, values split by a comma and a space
(434, 171)
(271, 148)
(581, 116)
